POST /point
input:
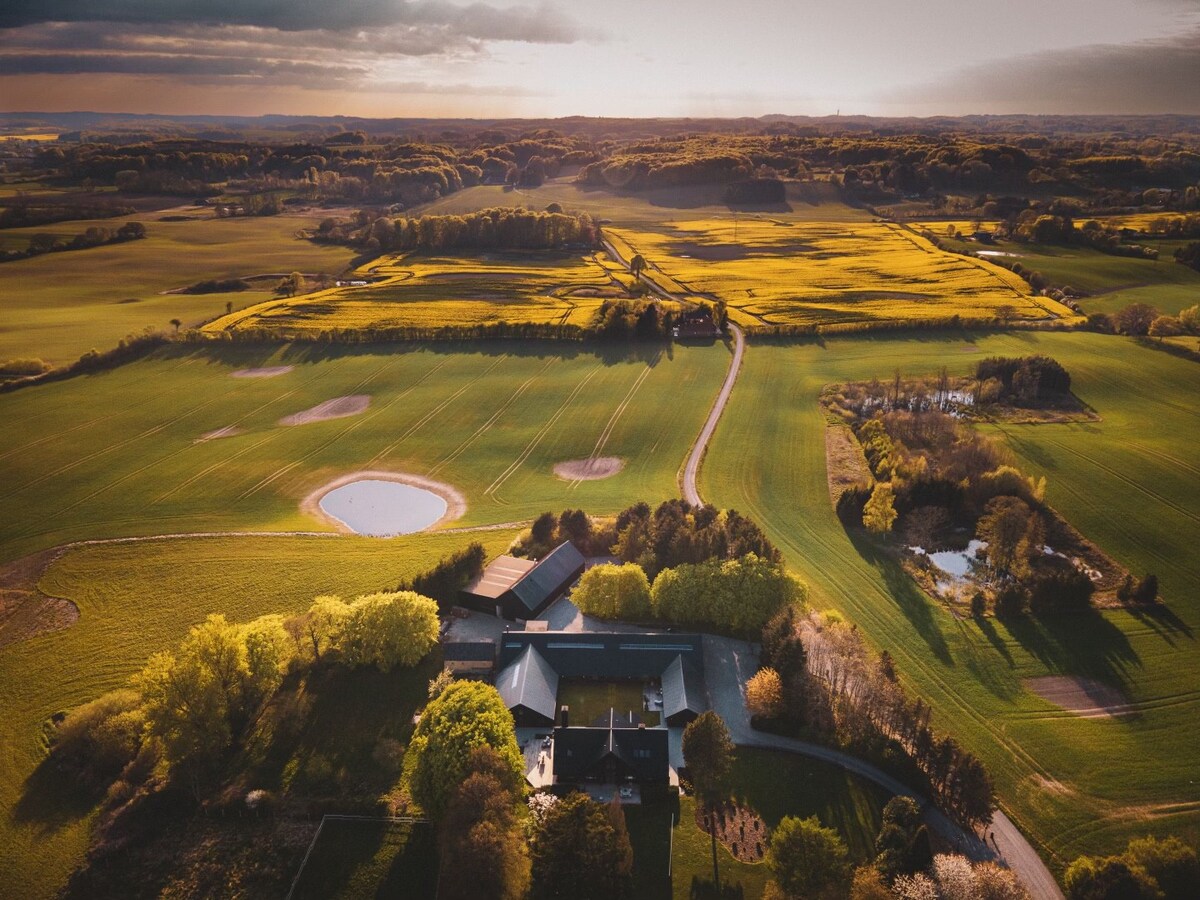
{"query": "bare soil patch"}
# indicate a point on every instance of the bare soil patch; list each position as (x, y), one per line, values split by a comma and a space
(1086, 697)
(596, 292)
(456, 503)
(262, 372)
(739, 828)
(593, 468)
(227, 431)
(337, 408)
(24, 610)
(845, 464)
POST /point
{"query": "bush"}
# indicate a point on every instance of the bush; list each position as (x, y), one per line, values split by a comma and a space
(613, 592)
(452, 573)
(1060, 592)
(97, 740)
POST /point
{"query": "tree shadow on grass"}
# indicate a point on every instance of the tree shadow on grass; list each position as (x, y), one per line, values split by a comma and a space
(52, 799)
(704, 889)
(1085, 644)
(916, 606)
(247, 354)
(988, 630)
(1163, 621)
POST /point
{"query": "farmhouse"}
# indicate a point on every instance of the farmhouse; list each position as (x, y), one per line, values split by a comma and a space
(531, 664)
(696, 324)
(513, 588)
(615, 753)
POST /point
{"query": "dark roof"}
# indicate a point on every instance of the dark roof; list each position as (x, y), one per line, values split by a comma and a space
(552, 573)
(639, 752)
(482, 651)
(682, 689)
(575, 654)
(529, 681)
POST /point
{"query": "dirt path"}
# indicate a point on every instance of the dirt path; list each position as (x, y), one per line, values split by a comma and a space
(692, 467)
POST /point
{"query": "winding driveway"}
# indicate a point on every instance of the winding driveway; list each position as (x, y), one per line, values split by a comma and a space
(692, 467)
(729, 663)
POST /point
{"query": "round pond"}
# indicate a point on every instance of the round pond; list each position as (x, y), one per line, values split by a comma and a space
(381, 508)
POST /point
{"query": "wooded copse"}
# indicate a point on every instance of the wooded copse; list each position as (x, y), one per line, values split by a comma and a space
(499, 228)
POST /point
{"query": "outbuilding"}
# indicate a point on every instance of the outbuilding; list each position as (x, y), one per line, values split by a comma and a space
(470, 657)
(513, 588)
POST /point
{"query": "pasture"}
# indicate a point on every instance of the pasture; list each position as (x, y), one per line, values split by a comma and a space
(120, 453)
(135, 599)
(774, 271)
(1111, 282)
(411, 291)
(60, 305)
(1127, 482)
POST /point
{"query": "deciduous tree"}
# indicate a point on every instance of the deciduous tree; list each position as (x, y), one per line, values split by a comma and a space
(808, 860)
(613, 592)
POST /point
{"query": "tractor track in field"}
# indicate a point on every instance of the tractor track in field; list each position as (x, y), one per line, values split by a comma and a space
(495, 417)
(491, 489)
(429, 416)
(602, 441)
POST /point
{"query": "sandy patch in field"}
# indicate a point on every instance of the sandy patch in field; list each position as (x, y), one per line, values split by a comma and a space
(25, 611)
(1086, 697)
(456, 503)
(337, 408)
(227, 431)
(263, 372)
(845, 464)
(592, 469)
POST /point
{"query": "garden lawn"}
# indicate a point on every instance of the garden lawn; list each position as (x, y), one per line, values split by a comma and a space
(120, 453)
(58, 306)
(1130, 482)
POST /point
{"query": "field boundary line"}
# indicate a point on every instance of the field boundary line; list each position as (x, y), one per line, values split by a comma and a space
(400, 820)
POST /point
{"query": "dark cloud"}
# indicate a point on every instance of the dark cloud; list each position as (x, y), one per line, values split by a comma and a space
(1145, 76)
(206, 67)
(477, 20)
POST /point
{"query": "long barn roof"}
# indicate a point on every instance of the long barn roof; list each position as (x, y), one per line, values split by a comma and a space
(551, 574)
(529, 681)
(682, 689)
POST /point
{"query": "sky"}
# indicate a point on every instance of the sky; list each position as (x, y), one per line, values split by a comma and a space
(506, 58)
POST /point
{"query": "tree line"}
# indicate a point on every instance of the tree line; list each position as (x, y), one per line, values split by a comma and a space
(93, 236)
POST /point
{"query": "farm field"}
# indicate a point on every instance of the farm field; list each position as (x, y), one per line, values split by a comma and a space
(1113, 282)
(773, 271)
(410, 291)
(58, 306)
(129, 602)
(1074, 785)
(121, 453)
(815, 200)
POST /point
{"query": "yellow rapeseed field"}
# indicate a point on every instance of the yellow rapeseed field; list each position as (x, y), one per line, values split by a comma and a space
(773, 273)
(411, 291)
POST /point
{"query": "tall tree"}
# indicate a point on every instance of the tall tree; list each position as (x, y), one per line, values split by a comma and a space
(708, 755)
(809, 862)
(578, 853)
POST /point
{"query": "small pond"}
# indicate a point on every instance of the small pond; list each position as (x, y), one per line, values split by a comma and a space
(381, 508)
(954, 562)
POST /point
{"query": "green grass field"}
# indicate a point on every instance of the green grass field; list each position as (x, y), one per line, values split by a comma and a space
(1113, 282)
(1129, 482)
(430, 291)
(61, 305)
(136, 599)
(118, 453)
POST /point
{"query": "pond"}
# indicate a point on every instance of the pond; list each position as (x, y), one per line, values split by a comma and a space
(954, 562)
(382, 508)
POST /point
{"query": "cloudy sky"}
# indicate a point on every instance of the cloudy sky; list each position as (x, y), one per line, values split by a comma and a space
(603, 57)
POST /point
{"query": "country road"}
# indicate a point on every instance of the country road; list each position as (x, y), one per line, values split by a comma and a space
(692, 467)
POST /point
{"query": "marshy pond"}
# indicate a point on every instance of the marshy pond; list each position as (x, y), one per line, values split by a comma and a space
(383, 508)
